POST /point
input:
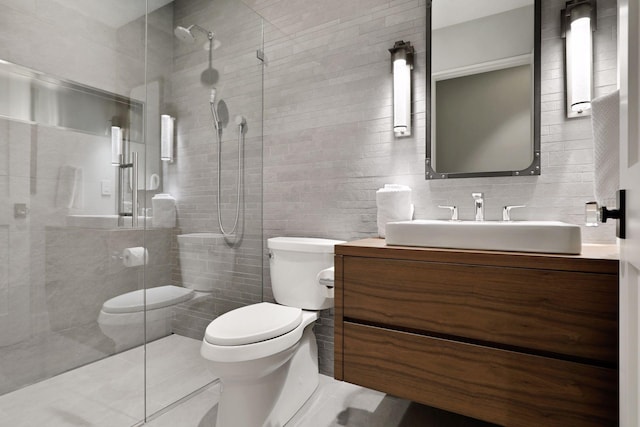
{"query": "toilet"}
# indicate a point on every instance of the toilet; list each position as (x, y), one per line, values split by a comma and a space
(122, 317)
(266, 354)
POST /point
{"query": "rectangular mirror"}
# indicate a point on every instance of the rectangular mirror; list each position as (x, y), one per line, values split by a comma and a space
(483, 88)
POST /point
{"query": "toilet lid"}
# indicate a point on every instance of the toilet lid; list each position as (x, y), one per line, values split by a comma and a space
(159, 297)
(253, 323)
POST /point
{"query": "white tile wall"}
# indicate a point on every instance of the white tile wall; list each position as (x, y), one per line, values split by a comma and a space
(328, 143)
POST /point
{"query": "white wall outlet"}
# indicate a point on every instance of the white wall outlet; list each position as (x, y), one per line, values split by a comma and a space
(105, 187)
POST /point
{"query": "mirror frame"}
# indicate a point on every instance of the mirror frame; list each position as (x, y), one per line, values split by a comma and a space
(534, 168)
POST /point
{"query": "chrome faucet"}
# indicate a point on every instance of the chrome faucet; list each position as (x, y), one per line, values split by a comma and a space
(478, 202)
(506, 211)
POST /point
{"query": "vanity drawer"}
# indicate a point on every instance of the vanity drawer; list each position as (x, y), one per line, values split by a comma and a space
(504, 387)
(562, 312)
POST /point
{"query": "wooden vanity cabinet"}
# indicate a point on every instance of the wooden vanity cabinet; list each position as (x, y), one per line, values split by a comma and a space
(515, 339)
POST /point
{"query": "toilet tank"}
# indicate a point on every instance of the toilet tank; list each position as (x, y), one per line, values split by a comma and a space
(294, 264)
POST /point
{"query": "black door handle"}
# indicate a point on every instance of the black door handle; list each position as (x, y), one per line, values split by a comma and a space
(619, 214)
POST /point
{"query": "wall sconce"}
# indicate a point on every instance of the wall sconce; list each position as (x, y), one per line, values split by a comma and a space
(166, 137)
(578, 23)
(116, 145)
(402, 63)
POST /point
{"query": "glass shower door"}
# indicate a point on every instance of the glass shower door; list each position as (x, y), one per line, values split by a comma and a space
(212, 72)
(67, 71)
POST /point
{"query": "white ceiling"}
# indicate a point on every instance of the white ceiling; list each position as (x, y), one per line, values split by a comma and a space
(114, 13)
(451, 12)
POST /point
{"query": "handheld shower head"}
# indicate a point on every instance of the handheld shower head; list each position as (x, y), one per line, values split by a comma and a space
(212, 96)
(214, 110)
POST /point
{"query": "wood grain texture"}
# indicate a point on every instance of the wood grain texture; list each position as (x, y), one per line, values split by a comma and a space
(507, 388)
(338, 316)
(570, 313)
(594, 259)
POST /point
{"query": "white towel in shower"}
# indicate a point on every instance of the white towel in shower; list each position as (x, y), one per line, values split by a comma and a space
(69, 187)
(605, 116)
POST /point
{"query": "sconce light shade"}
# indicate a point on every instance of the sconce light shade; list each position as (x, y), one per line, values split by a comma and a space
(116, 145)
(166, 137)
(402, 55)
(578, 23)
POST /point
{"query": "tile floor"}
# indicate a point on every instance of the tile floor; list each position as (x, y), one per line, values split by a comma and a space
(110, 393)
(49, 354)
(333, 404)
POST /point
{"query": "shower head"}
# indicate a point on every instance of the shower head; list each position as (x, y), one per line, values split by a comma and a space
(186, 34)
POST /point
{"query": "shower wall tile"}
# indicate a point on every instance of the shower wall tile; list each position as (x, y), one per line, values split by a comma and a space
(96, 52)
(328, 144)
(41, 39)
(234, 264)
(234, 272)
(4, 268)
(4, 147)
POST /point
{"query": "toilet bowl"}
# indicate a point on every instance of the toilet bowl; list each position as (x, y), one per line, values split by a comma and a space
(266, 354)
(122, 317)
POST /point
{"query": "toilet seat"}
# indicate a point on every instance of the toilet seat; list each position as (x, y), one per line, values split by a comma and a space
(256, 350)
(252, 324)
(161, 296)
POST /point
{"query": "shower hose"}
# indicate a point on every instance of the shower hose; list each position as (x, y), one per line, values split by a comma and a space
(239, 179)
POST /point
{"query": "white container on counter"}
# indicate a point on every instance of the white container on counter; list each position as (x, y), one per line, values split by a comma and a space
(164, 211)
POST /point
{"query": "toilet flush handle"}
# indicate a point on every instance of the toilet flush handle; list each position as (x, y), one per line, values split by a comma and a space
(326, 278)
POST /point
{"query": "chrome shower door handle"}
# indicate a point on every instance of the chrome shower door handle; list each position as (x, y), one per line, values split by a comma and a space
(134, 189)
(120, 190)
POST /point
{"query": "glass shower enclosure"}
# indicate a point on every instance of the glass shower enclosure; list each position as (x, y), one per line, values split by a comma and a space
(102, 307)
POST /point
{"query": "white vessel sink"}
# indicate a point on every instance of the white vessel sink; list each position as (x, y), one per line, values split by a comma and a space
(521, 236)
